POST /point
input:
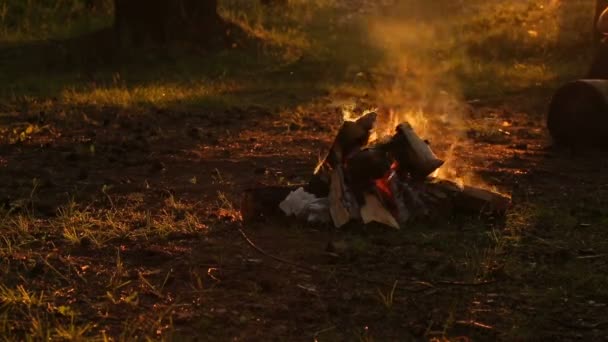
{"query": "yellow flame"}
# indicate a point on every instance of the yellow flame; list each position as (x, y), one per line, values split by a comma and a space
(427, 126)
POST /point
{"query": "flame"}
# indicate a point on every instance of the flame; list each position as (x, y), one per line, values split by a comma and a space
(428, 126)
(382, 185)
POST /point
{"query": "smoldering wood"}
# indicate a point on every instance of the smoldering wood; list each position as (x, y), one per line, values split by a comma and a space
(434, 197)
(343, 206)
(351, 136)
(578, 114)
(478, 200)
(470, 199)
(415, 199)
(374, 211)
(399, 191)
(318, 184)
(263, 202)
(368, 165)
(367, 185)
(414, 154)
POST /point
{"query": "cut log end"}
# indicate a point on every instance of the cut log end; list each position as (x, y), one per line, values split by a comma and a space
(263, 202)
(578, 114)
(479, 200)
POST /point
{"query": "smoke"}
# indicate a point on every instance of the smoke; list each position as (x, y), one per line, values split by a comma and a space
(436, 55)
(415, 81)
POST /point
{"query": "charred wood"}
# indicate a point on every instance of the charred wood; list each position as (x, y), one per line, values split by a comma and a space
(263, 202)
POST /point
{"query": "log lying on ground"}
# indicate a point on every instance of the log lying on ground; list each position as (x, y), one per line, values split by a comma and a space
(479, 200)
(578, 114)
(441, 197)
(263, 202)
(470, 199)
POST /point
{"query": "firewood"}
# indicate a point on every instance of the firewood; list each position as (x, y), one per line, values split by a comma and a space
(465, 198)
(413, 153)
(442, 189)
(263, 202)
(342, 204)
(367, 165)
(375, 211)
(351, 135)
(578, 113)
(399, 191)
(481, 200)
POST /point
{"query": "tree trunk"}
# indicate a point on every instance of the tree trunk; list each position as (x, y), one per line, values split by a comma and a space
(138, 22)
(599, 65)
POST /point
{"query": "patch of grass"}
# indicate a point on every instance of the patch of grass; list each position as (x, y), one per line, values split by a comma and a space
(388, 298)
(22, 21)
(48, 313)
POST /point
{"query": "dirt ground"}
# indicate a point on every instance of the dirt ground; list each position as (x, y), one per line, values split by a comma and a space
(151, 198)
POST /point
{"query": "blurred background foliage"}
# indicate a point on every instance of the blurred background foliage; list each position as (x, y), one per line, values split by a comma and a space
(475, 48)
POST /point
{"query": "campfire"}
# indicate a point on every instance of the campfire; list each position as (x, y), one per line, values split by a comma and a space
(367, 178)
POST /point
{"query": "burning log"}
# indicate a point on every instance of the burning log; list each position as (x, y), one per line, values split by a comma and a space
(368, 165)
(342, 204)
(414, 154)
(480, 200)
(352, 136)
(387, 183)
(470, 199)
(399, 190)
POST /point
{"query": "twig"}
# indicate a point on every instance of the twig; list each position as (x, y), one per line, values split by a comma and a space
(461, 283)
(316, 334)
(475, 324)
(596, 256)
(422, 285)
(584, 326)
(48, 264)
(276, 258)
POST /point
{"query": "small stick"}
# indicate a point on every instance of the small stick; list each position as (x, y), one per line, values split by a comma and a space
(276, 258)
(597, 256)
(460, 283)
(423, 286)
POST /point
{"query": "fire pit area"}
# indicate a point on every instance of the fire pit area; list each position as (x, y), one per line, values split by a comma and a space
(389, 179)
